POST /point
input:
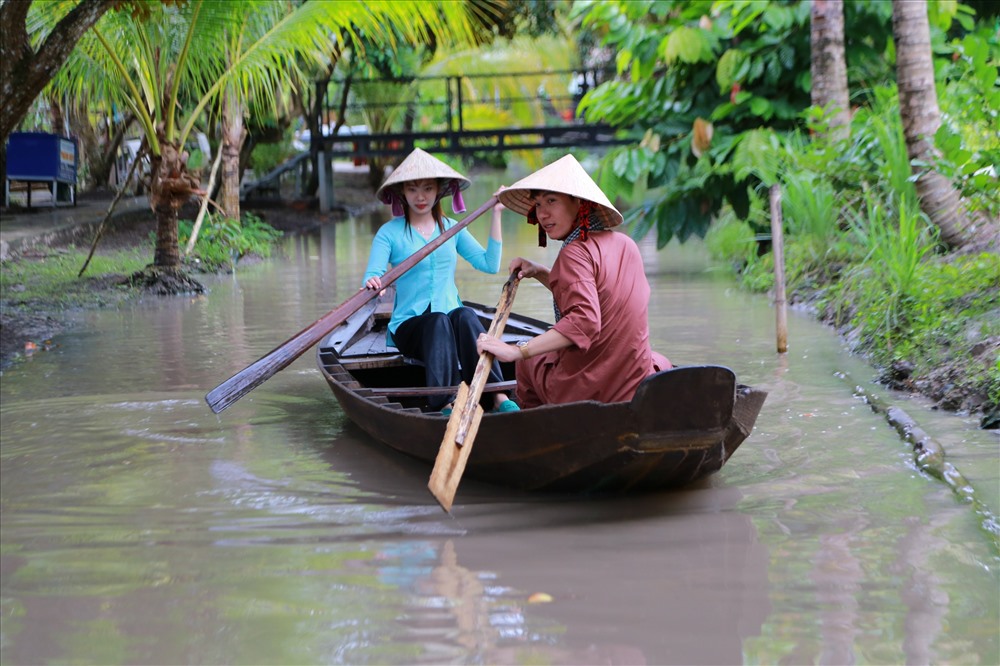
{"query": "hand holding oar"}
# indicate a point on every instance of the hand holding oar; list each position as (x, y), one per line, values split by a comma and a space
(279, 358)
(467, 412)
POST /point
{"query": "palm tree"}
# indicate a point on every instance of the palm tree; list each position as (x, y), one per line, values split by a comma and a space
(169, 70)
(921, 116)
(258, 81)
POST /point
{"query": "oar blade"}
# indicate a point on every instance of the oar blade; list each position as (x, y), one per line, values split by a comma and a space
(452, 458)
(467, 412)
(237, 386)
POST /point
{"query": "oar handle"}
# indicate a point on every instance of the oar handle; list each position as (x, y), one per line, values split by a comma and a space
(244, 381)
(486, 359)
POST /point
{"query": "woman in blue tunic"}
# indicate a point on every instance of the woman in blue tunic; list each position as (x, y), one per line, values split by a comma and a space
(429, 321)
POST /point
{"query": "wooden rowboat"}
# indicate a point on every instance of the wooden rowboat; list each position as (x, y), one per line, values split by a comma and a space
(681, 425)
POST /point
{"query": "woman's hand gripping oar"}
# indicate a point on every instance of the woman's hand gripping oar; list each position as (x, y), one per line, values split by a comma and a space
(467, 412)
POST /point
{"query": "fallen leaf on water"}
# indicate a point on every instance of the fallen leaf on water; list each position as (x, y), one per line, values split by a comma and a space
(539, 598)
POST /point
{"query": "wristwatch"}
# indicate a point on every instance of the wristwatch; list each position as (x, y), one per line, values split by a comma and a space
(523, 346)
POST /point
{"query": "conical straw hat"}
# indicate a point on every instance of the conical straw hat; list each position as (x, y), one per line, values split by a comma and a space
(566, 176)
(419, 165)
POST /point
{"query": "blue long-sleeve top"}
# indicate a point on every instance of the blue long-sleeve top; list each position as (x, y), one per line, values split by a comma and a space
(432, 281)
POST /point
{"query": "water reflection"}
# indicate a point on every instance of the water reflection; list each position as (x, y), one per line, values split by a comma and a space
(671, 579)
(140, 528)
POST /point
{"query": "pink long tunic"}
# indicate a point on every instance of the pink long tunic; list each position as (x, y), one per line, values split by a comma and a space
(603, 294)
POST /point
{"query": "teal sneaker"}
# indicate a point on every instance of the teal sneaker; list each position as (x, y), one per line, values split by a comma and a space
(506, 406)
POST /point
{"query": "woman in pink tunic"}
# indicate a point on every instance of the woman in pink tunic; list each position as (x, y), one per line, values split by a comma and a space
(599, 347)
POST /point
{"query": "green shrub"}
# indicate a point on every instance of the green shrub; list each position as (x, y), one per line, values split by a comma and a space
(731, 240)
(223, 240)
(810, 209)
(881, 287)
(265, 157)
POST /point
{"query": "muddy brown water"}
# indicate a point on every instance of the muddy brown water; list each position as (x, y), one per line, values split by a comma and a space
(140, 528)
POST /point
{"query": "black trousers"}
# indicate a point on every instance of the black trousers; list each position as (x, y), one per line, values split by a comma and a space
(446, 344)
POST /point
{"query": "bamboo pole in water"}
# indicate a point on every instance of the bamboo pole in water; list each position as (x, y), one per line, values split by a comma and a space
(778, 250)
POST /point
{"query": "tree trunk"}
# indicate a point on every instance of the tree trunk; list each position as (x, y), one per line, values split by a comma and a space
(91, 144)
(171, 186)
(921, 117)
(232, 139)
(829, 65)
(100, 170)
(24, 72)
(57, 119)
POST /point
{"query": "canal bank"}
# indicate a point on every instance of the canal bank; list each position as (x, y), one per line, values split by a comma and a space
(32, 234)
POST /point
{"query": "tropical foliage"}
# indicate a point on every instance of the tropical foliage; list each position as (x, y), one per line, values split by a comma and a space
(167, 70)
(418, 89)
(698, 82)
(715, 97)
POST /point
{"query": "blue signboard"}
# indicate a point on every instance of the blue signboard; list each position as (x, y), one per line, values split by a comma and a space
(39, 156)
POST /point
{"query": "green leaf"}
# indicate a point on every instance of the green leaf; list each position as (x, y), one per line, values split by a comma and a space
(620, 163)
(732, 66)
(634, 169)
(623, 60)
(756, 155)
(946, 140)
(761, 107)
(639, 221)
(685, 45)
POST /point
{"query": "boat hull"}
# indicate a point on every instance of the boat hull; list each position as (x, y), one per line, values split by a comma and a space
(682, 425)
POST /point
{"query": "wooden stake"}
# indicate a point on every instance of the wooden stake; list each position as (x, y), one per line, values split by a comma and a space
(204, 203)
(778, 250)
(111, 209)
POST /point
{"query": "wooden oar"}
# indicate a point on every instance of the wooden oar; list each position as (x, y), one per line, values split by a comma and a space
(281, 356)
(467, 412)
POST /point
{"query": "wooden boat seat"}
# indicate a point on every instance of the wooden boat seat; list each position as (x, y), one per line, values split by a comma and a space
(417, 391)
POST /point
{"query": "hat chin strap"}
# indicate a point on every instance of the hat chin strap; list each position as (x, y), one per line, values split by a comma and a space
(457, 202)
(453, 188)
(396, 202)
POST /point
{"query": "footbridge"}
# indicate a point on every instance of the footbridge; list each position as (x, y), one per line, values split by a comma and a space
(378, 120)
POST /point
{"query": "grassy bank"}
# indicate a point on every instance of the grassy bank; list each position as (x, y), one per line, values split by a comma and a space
(49, 280)
(42, 288)
(928, 321)
(40, 291)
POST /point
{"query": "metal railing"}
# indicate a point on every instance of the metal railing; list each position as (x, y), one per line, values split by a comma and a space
(448, 113)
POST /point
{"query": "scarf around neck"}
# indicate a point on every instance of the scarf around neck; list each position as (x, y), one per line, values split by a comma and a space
(588, 223)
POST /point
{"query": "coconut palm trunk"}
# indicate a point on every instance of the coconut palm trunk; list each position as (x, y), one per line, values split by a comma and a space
(829, 64)
(170, 187)
(921, 118)
(232, 142)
